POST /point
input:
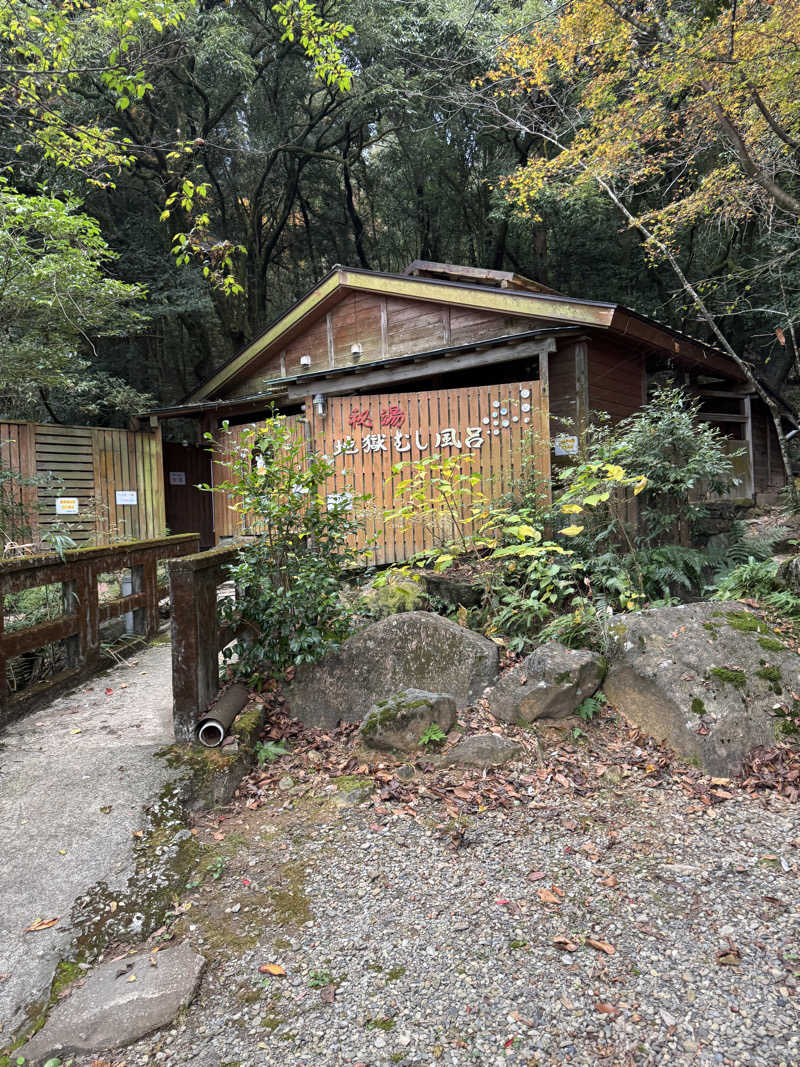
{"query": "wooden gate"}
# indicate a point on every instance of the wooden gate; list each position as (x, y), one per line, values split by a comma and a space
(366, 436)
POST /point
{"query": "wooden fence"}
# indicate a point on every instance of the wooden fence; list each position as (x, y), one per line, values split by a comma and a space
(499, 427)
(77, 627)
(98, 485)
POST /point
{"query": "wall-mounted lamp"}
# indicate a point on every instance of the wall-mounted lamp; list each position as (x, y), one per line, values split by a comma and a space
(356, 350)
(320, 405)
(305, 361)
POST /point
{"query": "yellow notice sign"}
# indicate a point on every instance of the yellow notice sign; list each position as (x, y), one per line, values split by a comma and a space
(66, 505)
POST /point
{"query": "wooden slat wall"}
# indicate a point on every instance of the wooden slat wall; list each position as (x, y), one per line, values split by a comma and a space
(504, 415)
(17, 445)
(91, 464)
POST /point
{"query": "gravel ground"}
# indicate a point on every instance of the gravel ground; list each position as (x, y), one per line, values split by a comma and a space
(427, 940)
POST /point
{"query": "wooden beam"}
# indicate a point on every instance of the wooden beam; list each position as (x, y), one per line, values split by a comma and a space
(393, 376)
(329, 332)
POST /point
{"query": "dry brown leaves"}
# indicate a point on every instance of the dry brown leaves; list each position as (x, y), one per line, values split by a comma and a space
(613, 755)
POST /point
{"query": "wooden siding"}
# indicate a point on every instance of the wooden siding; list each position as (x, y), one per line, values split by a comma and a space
(92, 465)
(385, 327)
(615, 380)
(563, 390)
(767, 464)
(365, 465)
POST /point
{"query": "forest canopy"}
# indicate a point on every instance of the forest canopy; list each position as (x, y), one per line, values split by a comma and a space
(228, 154)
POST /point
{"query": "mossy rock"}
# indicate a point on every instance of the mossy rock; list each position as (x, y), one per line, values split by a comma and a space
(399, 723)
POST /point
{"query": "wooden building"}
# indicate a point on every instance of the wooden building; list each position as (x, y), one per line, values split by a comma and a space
(416, 360)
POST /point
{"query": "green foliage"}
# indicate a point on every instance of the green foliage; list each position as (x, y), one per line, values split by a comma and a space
(433, 736)
(320, 979)
(592, 706)
(55, 293)
(269, 751)
(288, 601)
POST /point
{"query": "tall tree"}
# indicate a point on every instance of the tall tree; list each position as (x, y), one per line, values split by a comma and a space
(680, 115)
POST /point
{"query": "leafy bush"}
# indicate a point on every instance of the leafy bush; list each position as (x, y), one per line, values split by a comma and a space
(287, 579)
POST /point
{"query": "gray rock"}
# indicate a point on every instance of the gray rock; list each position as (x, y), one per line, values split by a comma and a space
(789, 574)
(416, 649)
(707, 678)
(397, 723)
(482, 750)
(111, 1010)
(548, 684)
(352, 791)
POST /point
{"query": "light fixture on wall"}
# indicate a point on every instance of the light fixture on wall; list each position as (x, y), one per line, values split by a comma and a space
(356, 350)
(320, 405)
(305, 361)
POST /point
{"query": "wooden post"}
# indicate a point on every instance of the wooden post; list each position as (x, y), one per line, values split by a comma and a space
(193, 584)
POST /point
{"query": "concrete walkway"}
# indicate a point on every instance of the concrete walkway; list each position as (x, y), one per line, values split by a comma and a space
(74, 780)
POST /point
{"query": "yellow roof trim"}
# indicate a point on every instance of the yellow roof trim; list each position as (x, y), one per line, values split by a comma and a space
(506, 301)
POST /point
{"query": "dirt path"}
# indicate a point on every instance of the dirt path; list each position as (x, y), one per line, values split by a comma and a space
(74, 780)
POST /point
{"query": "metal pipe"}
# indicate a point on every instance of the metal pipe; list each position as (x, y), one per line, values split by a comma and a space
(211, 729)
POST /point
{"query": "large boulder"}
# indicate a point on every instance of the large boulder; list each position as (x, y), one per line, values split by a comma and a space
(397, 723)
(414, 650)
(549, 684)
(707, 678)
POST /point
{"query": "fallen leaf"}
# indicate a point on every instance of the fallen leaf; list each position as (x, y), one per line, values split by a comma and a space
(536, 876)
(328, 994)
(132, 978)
(547, 897)
(609, 880)
(105, 810)
(563, 942)
(601, 946)
(109, 692)
(274, 969)
(605, 1008)
(40, 924)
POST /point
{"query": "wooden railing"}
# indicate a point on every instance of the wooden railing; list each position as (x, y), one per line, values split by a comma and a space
(197, 636)
(82, 615)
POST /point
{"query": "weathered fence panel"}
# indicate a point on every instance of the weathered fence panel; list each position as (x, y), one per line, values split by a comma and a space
(115, 476)
(82, 615)
(366, 436)
(500, 427)
(197, 637)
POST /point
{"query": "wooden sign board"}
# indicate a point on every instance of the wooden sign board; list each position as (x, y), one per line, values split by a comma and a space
(499, 427)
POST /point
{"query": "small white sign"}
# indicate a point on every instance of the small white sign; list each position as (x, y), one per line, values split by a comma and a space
(177, 477)
(66, 505)
(126, 496)
(566, 444)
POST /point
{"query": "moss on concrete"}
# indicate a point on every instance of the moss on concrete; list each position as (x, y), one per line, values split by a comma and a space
(745, 622)
(769, 644)
(698, 707)
(772, 676)
(730, 676)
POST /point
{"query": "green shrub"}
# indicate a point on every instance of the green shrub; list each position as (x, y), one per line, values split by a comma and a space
(288, 606)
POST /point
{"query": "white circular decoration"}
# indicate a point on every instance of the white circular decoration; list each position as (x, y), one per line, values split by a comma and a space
(503, 411)
(495, 403)
(515, 418)
(524, 392)
(506, 423)
(485, 420)
(496, 433)
(526, 419)
(526, 407)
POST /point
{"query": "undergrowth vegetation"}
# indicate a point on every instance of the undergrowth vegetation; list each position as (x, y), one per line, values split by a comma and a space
(627, 528)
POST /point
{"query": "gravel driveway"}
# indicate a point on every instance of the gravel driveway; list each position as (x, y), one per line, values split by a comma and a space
(621, 922)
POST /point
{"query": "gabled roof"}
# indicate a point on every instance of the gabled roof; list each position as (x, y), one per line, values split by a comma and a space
(518, 301)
